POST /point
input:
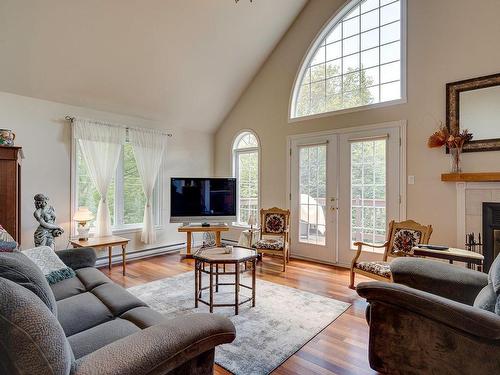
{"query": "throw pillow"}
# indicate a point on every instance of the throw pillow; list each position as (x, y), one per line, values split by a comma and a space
(7, 243)
(51, 265)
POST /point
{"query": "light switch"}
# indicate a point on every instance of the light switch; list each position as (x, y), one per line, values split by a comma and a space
(411, 180)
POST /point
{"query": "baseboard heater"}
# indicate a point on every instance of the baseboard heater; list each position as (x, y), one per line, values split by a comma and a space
(140, 254)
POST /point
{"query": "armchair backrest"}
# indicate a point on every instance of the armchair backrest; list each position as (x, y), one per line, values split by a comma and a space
(274, 221)
(404, 235)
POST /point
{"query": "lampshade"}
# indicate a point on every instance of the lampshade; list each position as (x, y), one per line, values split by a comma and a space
(251, 220)
(83, 214)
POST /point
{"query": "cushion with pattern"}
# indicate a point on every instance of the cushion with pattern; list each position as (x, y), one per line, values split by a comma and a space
(7, 243)
(274, 223)
(405, 240)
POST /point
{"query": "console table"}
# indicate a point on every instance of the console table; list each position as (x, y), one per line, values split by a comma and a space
(189, 229)
(106, 242)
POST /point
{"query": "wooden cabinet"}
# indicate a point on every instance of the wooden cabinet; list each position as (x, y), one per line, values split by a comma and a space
(10, 190)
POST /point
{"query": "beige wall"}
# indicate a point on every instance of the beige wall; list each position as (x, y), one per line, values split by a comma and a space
(46, 140)
(448, 40)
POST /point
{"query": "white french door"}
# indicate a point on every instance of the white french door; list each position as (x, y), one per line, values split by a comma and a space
(314, 198)
(345, 187)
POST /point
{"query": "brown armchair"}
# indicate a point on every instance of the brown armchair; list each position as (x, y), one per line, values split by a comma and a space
(401, 238)
(274, 226)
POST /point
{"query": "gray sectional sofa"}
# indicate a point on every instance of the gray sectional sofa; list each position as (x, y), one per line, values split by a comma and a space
(89, 325)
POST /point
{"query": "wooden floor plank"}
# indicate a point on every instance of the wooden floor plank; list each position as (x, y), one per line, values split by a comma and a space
(341, 348)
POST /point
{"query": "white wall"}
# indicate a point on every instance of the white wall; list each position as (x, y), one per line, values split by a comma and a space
(45, 136)
(448, 40)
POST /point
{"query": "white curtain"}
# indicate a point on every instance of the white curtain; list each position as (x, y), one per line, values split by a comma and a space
(149, 147)
(101, 145)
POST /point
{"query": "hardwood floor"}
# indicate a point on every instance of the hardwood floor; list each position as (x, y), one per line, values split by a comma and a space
(341, 348)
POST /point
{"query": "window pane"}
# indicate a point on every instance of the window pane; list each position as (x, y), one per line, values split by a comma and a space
(369, 39)
(370, 77)
(390, 13)
(351, 63)
(87, 194)
(390, 52)
(390, 91)
(319, 56)
(368, 5)
(350, 27)
(369, 20)
(134, 199)
(351, 45)
(370, 58)
(312, 187)
(333, 51)
(333, 68)
(248, 185)
(368, 184)
(318, 72)
(390, 33)
(390, 72)
(335, 35)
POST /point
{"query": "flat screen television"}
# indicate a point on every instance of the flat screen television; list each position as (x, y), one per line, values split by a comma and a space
(202, 200)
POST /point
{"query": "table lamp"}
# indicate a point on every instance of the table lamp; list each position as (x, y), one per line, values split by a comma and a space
(83, 216)
(251, 221)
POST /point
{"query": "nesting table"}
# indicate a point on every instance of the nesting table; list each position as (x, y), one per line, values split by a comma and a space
(212, 259)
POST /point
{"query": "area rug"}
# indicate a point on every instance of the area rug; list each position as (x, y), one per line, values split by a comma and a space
(283, 320)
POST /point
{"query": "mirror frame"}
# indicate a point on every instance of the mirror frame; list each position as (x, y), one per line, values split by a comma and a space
(453, 91)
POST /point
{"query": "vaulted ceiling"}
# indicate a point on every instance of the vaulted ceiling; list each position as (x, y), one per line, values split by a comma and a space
(182, 62)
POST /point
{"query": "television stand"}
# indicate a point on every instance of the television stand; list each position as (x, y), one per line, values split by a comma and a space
(189, 229)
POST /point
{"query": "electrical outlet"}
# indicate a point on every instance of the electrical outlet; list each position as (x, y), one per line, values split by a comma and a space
(411, 180)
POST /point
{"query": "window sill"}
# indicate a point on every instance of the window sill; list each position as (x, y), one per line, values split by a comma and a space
(241, 226)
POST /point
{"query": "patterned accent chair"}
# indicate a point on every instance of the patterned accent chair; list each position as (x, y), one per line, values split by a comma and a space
(274, 238)
(402, 237)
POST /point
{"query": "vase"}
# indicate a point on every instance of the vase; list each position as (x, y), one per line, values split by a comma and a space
(455, 154)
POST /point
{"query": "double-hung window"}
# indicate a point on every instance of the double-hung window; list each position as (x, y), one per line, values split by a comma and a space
(125, 198)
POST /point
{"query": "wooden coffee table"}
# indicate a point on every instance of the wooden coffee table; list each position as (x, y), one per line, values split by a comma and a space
(106, 242)
(215, 257)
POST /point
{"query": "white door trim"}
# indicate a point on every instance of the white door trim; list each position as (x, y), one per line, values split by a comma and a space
(401, 125)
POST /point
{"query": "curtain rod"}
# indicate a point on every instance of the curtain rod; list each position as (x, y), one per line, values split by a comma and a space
(72, 118)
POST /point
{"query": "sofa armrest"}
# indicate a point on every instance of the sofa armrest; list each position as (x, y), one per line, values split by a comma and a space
(456, 283)
(161, 348)
(471, 320)
(80, 257)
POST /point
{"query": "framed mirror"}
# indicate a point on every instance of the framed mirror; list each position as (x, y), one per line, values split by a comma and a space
(474, 104)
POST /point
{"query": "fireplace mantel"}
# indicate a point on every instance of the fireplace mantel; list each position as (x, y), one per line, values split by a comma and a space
(471, 177)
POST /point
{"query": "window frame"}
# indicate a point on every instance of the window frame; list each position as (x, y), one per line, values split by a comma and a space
(119, 206)
(313, 47)
(235, 152)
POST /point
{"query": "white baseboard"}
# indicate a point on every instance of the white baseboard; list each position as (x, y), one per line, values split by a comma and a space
(141, 254)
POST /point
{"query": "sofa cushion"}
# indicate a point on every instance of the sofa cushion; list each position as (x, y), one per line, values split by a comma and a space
(82, 312)
(29, 330)
(143, 317)
(90, 340)
(18, 268)
(7, 243)
(91, 277)
(68, 288)
(116, 299)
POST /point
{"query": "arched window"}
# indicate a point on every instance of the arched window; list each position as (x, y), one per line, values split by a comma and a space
(246, 170)
(356, 61)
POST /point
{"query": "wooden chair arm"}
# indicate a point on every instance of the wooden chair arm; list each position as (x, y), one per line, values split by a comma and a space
(360, 245)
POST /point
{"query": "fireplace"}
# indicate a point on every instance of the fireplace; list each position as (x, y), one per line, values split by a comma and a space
(491, 233)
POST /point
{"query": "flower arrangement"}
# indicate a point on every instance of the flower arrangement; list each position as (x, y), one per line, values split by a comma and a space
(453, 140)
